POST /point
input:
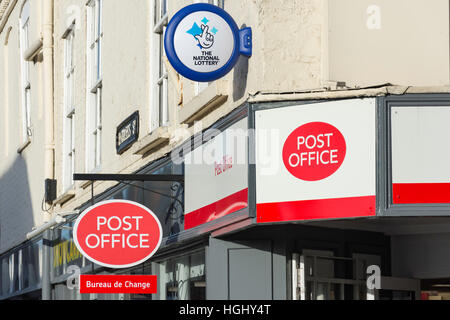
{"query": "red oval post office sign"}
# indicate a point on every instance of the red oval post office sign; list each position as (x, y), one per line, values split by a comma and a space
(314, 151)
(118, 234)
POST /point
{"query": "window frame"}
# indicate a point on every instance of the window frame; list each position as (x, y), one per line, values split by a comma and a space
(94, 85)
(160, 116)
(69, 110)
(24, 24)
(159, 267)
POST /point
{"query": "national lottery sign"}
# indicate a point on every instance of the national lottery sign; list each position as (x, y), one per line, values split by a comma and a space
(203, 42)
(117, 234)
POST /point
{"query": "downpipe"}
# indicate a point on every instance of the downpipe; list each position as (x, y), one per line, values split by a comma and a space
(47, 30)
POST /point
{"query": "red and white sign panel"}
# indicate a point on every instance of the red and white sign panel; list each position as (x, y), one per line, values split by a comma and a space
(216, 177)
(118, 234)
(116, 284)
(316, 161)
(420, 155)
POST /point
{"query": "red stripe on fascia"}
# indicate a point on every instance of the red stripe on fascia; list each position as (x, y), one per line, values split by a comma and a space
(216, 210)
(420, 193)
(317, 209)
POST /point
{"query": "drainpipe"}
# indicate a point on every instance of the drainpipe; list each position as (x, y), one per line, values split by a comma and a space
(47, 51)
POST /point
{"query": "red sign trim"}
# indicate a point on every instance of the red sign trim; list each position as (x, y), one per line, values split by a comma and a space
(421, 193)
(317, 209)
(216, 210)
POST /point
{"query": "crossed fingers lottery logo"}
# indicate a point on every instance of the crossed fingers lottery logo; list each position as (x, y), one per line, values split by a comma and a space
(202, 34)
(203, 42)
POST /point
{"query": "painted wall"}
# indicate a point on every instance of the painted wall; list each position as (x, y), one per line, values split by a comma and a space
(21, 175)
(373, 42)
(125, 57)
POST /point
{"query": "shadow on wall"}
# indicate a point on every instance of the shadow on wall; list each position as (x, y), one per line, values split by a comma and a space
(240, 76)
(16, 211)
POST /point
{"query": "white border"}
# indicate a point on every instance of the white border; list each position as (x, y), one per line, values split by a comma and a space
(75, 229)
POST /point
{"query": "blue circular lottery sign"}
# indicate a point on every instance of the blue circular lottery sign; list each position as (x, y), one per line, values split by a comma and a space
(203, 42)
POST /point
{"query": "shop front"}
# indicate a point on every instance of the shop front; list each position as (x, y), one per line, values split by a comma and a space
(340, 195)
(21, 272)
(300, 200)
(253, 190)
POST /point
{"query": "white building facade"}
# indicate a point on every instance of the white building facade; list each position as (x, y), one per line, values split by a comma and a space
(86, 87)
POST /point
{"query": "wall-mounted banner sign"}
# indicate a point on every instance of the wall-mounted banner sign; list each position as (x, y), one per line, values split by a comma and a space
(319, 161)
(203, 42)
(117, 234)
(127, 133)
(222, 175)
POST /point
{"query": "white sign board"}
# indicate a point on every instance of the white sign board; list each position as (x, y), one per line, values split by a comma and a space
(316, 161)
(216, 177)
(420, 155)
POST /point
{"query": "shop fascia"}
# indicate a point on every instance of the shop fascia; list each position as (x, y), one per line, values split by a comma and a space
(322, 160)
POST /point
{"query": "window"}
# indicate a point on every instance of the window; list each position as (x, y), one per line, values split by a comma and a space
(69, 111)
(182, 278)
(219, 3)
(200, 86)
(160, 113)
(94, 86)
(25, 71)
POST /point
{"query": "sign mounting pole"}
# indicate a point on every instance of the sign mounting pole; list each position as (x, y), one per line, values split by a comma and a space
(123, 178)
